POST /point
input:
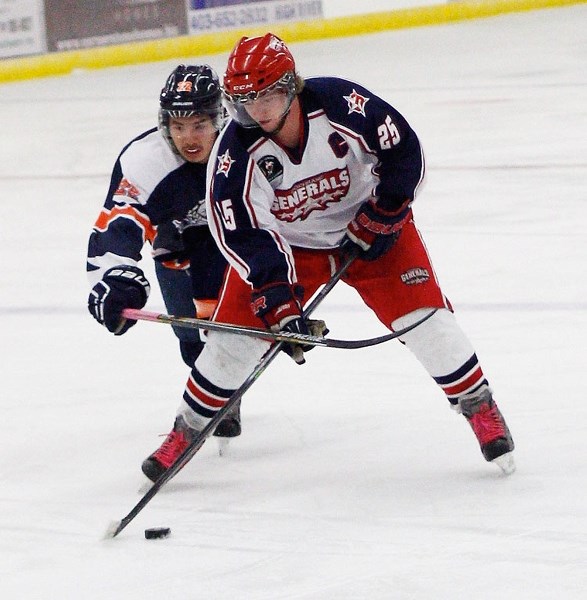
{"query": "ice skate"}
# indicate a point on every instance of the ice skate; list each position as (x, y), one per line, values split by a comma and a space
(178, 439)
(230, 426)
(490, 428)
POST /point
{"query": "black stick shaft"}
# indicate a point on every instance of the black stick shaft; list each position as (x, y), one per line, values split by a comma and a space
(194, 446)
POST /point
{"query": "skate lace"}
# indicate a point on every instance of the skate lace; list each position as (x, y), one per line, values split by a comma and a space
(487, 424)
(171, 448)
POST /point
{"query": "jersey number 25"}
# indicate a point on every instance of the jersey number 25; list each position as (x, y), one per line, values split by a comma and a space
(388, 134)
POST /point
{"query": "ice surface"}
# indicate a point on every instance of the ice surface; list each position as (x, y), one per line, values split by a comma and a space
(352, 478)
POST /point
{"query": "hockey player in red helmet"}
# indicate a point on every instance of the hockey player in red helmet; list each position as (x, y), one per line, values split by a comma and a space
(306, 173)
(260, 71)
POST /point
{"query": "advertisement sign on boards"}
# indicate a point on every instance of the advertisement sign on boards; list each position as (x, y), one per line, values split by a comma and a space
(21, 28)
(216, 15)
(78, 24)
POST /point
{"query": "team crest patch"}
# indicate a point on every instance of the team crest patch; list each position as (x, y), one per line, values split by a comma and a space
(308, 195)
(194, 217)
(356, 102)
(415, 276)
(270, 167)
(224, 164)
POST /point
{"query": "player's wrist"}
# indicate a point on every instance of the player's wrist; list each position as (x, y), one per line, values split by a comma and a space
(276, 305)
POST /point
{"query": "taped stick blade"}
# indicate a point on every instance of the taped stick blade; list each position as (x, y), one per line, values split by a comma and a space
(112, 530)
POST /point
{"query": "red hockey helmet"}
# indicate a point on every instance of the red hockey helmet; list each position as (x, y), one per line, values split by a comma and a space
(257, 63)
(256, 66)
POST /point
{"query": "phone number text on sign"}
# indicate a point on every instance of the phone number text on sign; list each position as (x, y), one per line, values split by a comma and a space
(231, 18)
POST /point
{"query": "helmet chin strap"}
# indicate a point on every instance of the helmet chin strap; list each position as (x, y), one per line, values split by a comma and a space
(283, 119)
(280, 124)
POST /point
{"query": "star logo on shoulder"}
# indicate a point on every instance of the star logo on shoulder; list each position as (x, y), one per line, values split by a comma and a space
(356, 102)
(224, 164)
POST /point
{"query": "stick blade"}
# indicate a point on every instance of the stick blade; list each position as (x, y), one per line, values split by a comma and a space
(113, 529)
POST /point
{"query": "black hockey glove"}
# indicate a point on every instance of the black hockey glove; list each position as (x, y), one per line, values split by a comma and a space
(278, 306)
(374, 230)
(121, 287)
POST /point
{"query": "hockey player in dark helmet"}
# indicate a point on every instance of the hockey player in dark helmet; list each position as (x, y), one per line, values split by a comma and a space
(191, 111)
(156, 195)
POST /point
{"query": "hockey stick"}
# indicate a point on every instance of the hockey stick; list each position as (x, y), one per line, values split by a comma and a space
(265, 334)
(117, 526)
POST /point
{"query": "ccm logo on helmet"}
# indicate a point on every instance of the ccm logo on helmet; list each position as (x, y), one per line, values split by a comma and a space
(240, 88)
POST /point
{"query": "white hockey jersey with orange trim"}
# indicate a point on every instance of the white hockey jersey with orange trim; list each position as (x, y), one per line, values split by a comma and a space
(149, 185)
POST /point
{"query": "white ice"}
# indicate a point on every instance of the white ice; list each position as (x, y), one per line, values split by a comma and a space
(352, 478)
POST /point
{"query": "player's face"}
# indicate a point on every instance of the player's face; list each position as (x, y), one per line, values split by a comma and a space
(193, 137)
(268, 109)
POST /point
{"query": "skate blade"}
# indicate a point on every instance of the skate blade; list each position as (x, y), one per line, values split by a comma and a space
(506, 463)
(223, 446)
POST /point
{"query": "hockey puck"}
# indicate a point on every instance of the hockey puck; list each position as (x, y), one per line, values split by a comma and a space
(157, 533)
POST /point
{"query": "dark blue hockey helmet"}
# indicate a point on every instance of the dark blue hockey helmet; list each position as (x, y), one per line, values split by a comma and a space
(190, 90)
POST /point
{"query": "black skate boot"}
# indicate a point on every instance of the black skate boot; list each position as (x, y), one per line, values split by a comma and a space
(230, 426)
